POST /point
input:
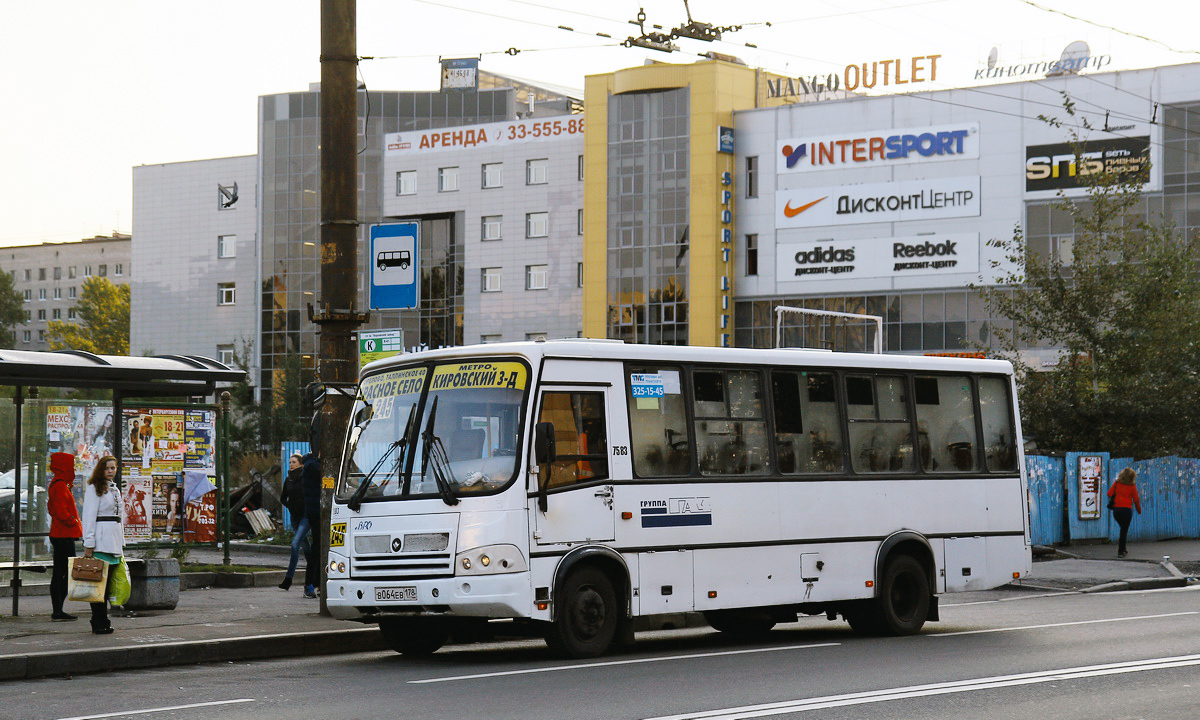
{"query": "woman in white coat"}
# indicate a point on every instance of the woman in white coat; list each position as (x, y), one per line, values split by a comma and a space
(103, 533)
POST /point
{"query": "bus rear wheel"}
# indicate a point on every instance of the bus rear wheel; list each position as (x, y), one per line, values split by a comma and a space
(586, 619)
(417, 638)
(902, 604)
(740, 622)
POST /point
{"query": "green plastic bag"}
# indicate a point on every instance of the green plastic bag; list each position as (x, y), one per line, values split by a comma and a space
(119, 585)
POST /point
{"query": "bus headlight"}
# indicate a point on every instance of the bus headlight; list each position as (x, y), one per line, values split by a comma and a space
(336, 566)
(491, 560)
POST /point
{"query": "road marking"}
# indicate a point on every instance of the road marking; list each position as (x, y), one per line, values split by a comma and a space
(959, 686)
(1064, 624)
(159, 709)
(633, 661)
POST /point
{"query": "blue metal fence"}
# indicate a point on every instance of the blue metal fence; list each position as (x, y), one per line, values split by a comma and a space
(1169, 488)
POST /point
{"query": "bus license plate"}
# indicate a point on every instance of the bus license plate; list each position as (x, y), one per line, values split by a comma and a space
(395, 594)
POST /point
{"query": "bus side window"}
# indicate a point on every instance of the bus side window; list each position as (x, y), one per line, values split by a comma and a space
(579, 436)
(880, 434)
(661, 445)
(808, 435)
(998, 433)
(731, 429)
(945, 423)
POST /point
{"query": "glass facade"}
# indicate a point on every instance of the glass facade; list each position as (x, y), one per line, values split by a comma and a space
(289, 178)
(649, 144)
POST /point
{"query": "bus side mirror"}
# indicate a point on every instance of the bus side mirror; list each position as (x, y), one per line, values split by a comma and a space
(543, 443)
(544, 453)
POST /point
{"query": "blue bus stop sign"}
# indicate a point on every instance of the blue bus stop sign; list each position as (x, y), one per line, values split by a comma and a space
(394, 275)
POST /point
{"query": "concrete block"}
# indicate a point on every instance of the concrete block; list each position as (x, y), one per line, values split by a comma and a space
(155, 584)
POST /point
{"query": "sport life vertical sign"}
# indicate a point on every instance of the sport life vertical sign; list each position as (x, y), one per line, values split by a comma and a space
(1090, 467)
(394, 271)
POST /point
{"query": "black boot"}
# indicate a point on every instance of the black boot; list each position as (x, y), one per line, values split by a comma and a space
(100, 622)
(287, 583)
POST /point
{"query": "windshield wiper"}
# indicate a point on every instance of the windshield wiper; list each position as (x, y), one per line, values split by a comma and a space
(433, 452)
(356, 499)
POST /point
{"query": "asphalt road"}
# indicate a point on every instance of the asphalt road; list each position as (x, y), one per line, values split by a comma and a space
(994, 655)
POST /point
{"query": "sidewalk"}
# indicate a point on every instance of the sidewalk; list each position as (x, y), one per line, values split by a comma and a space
(224, 624)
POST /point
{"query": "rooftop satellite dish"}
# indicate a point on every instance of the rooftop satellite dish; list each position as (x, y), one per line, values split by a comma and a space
(1074, 57)
(992, 57)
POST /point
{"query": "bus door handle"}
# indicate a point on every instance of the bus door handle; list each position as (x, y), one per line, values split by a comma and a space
(606, 492)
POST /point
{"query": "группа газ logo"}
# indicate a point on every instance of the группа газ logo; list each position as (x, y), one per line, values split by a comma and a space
(793, 154)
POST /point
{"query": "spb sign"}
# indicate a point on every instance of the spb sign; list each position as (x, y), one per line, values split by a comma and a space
(394, 271)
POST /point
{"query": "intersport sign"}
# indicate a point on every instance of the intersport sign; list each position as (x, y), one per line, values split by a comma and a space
(883, 147)
(926, 199)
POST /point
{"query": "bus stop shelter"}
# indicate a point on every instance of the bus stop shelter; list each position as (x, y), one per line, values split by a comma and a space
(24, 374)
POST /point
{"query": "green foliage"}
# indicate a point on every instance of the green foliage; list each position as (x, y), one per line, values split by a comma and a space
(282, 414)
(103, 327)
(1125, 310)
(11, 311)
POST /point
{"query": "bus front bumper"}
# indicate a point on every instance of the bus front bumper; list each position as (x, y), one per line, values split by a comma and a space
(489, 596)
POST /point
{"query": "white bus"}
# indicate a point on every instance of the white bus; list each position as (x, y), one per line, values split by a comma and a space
(578, 488)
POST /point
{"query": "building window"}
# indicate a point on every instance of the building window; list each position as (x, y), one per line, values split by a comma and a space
(28, 294)
(119, 269)
(102, 270)
(537, 277)
(70, 273)
(71, 313)
(41, 314)
(28, 274)
(579, 221)
(41, 293)
(492, 225)
(406, 182)
(752, 254)
(58, 273)
(226, 246)
(578, 274)
(537, 224)
(28, 315)
(581, 167)
(447, 179)
(751, 177)
(537, 171)
(71, 293)
(225, 354)
(490, 281)
(58, 293)
(87, 270)
(534, 336)
(26, 336)
(41, 336)
(495, 338)
(41, 273)
(493, 175)
(226, 293)
(56, 314)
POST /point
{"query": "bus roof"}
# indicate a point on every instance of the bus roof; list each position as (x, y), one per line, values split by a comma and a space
(586, 348)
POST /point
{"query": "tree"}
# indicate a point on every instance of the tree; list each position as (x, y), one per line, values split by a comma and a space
(11, 312)
(1125, 310)
(103, 329)
(282, 414)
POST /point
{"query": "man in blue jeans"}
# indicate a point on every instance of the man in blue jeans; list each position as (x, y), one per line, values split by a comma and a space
(311, 481)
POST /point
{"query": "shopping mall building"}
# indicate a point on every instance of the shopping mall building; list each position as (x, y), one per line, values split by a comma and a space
(676, 204)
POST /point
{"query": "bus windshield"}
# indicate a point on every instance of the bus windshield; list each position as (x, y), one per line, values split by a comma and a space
(458, 423)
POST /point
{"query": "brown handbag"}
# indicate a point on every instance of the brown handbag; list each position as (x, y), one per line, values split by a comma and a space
(88, 569)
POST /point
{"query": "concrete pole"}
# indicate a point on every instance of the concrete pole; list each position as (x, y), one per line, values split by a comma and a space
(335, 314)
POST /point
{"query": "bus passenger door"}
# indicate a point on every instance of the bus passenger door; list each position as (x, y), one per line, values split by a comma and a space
(579, 494)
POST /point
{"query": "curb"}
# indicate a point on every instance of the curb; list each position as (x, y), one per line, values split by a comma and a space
(1138, 584)
(191, 652)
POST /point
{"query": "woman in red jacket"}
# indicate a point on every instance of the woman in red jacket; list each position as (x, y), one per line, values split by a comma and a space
(1124, 496)
(65, 527)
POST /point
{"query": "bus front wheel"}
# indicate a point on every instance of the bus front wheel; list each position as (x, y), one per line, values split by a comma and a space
(586, 621)
(414, 637)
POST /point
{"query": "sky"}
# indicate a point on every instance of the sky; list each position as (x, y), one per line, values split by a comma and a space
(93, 89)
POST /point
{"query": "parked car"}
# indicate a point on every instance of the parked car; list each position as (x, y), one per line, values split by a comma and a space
(8, 493)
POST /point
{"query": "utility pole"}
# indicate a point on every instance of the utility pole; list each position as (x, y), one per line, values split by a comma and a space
(335, 313)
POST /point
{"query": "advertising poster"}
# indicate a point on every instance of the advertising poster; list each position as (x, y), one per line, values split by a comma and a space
(138, 507)
(200, 507)
(85, 431)
(168, 506)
